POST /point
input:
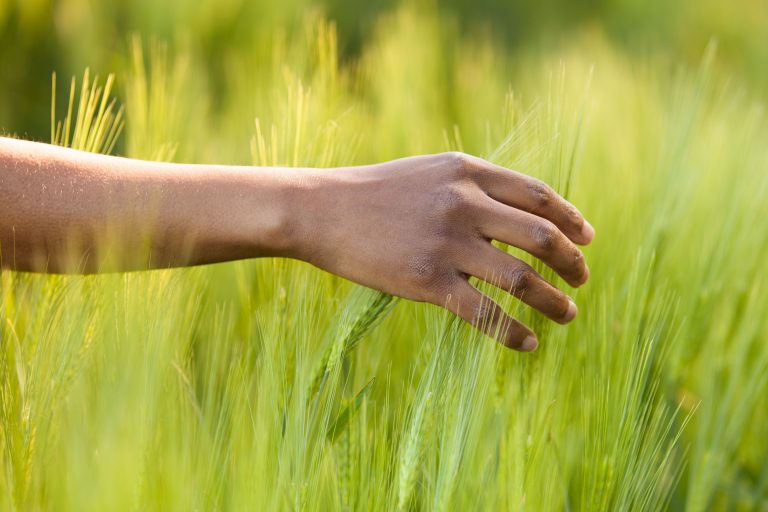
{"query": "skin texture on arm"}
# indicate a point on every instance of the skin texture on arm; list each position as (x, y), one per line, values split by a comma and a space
(417, 227)
(61, 208)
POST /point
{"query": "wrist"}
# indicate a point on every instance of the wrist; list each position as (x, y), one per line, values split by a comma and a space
(313, 211)
(296, 210)
(299, 210)
(279, 204)
(231, 213)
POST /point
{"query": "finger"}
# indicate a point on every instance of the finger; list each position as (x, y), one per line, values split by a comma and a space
(504, 271)
(466, 301)
(537, 236)
(534, 196)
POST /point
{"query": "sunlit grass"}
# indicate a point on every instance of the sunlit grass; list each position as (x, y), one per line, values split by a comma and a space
(271, 385)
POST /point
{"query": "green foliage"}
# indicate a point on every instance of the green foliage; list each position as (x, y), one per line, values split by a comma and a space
(249, 385)
(97, 125)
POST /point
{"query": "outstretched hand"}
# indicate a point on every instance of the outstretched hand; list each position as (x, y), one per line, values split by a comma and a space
(419, 227)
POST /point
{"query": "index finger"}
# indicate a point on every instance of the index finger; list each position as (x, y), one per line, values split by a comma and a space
(534, 196)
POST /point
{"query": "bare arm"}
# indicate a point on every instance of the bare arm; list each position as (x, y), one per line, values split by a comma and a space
(61, 208)
(417, 227)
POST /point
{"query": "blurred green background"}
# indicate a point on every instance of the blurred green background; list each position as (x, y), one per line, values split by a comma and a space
(655, 397)
(40, 36)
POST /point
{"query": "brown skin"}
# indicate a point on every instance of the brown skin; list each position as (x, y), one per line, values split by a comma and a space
(417, 227)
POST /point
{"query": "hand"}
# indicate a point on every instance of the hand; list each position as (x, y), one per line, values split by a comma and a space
(419, 227)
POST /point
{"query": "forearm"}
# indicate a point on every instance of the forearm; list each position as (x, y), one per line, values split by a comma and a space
(69, 211)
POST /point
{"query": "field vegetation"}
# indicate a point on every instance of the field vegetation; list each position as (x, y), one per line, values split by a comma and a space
(271, 385)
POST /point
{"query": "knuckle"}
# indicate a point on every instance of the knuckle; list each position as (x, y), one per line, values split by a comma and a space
(459, 164)
(542, 194)
(451, 199)
(519, 279)
(424, 272)
(545, 236)
(574, 216)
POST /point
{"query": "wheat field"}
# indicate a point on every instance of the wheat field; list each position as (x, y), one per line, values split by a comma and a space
(270, 385)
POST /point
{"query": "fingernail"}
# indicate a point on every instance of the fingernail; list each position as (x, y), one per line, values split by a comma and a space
(572, 311)
(587, 231)
(529, 343)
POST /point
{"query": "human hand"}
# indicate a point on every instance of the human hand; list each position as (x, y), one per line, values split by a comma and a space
(419, 227)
